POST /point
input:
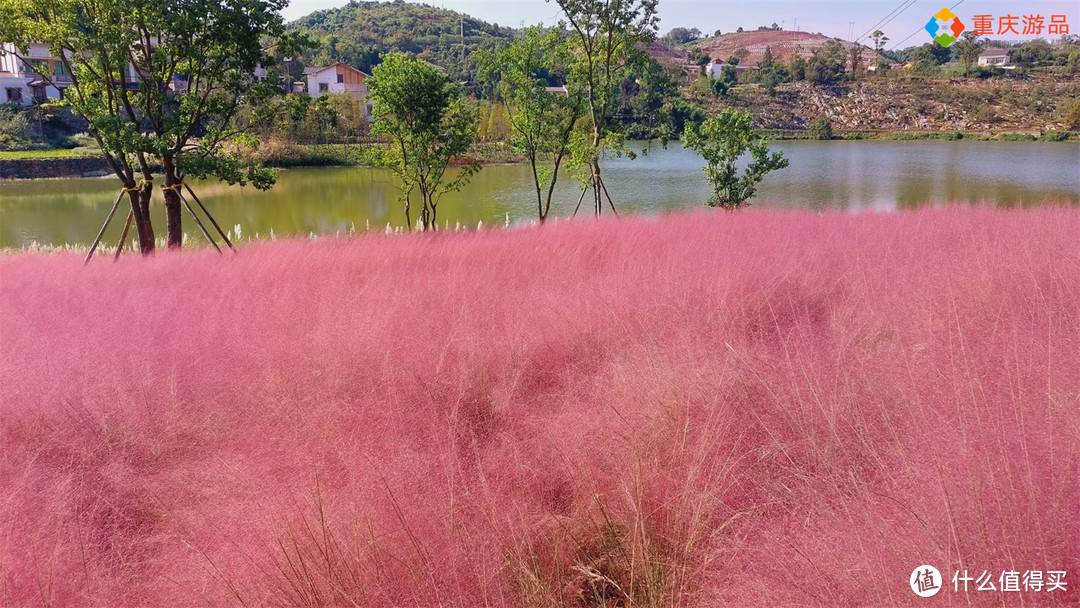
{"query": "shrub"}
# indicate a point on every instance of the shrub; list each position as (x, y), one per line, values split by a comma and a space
(1016, 137)
(14, 123)
(1057, 135)
(704, 86)
(1072, 116)
(821, 128)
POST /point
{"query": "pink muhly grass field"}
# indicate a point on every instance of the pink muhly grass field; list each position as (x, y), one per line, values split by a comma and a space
(752, 409)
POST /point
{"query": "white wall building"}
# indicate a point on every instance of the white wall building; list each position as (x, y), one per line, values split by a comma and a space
(337, 78)
(23, 84)
(995, 57)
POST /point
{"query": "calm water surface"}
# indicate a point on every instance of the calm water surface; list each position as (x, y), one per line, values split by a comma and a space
(838, 175)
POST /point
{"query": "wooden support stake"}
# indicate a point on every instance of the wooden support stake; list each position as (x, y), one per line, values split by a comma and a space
(123, 235)
(101, 233)
(199, 222)
(611, 204)
(212, 220)
(583, 191)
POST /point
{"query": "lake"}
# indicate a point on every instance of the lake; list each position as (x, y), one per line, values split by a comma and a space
(853, 176)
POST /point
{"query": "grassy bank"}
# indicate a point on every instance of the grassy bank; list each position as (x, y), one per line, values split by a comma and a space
(48, 153)
(752, 409)
(277, 154)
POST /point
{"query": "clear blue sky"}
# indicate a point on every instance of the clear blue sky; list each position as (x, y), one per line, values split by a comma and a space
(830, 17)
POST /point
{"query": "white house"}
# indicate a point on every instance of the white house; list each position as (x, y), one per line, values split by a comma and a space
(337, 78)
(995, 57)
(715, 69)
(21, 82)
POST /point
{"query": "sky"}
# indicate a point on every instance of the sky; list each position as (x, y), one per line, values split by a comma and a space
(838, 18)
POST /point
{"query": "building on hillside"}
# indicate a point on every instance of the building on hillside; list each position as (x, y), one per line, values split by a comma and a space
(21, 78)
(557, 90)
(693, 71)
(995, 57)
(38, 76)
(715, 69)
(337, 78)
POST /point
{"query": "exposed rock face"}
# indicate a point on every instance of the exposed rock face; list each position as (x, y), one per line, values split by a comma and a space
(901, 104)
(784, 44)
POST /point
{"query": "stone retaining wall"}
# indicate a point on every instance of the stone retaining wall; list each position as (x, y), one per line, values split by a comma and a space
(53, 167)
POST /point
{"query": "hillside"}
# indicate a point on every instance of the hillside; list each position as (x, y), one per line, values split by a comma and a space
(359, 31)
(913, 104)
(785, 45)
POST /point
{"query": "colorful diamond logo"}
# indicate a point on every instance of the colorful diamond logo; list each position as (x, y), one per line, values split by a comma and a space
(945, 27)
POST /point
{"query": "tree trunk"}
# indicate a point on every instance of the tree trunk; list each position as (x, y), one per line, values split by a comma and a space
(598, 199)
(173, 212)
(143, 226)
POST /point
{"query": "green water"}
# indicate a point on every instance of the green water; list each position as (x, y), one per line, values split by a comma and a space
(841, 175)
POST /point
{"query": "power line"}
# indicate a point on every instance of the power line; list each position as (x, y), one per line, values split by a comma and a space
(881, 23)
(893, 47)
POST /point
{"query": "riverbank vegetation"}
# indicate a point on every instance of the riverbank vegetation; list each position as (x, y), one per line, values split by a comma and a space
(753, 409)
(194, 63)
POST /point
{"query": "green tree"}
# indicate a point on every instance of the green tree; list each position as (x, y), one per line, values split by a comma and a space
(428, 125)
(194, 63)
(826, 65)
(681, 35)
(704, 86)
(767, 60)
(855, 56)
(722, 140)
(607, 35)
(542, 121)
(797, 68)
(821, 128)
(969, 46)
(880, 61)
(698, 56)
(1073, 62)
(93, 50)
(929, 56)
(879, 39)
(1072, 117)
(772, 77)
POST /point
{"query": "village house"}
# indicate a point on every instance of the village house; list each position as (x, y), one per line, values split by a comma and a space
(21, 82)
(715, 69)
(337, 78)
(38, 76)
(995, 57)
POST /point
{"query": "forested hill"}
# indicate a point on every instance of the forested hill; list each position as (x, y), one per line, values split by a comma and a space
(359, 31)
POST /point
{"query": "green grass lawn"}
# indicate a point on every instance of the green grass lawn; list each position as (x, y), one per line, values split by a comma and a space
(34, 154)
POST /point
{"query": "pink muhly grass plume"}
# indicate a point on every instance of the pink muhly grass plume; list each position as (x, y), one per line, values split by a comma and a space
(752, 409)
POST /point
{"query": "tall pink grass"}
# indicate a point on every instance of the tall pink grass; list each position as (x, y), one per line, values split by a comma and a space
(753, 409)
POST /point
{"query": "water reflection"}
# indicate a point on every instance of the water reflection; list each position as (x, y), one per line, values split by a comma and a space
(840, 175)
